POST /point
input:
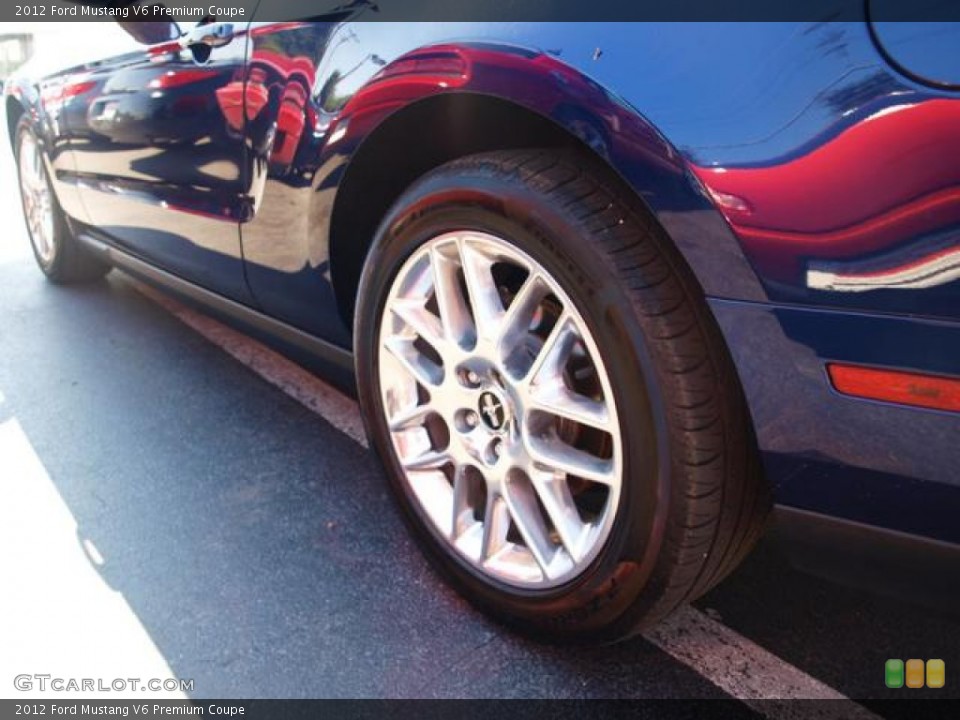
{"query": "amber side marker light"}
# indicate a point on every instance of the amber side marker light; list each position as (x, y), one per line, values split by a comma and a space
(927, 391)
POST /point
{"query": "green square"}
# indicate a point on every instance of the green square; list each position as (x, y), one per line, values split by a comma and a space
(893, 673)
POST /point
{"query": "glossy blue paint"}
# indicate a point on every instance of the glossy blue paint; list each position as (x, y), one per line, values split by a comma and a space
(812, 186)
(926, 51)
(837, 174)
(877, 463)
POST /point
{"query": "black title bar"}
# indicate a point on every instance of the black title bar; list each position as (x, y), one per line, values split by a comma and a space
(481, 10)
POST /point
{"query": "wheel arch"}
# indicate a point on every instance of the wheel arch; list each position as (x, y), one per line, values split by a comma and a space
(442, 123)
(401, 149)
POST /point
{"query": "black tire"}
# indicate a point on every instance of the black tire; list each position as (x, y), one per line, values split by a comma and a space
(70, 262)
(693, 501)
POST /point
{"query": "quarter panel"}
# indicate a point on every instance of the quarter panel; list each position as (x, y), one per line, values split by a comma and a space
(768, 175)
(363, 73)
(873, 462)
(819, 170)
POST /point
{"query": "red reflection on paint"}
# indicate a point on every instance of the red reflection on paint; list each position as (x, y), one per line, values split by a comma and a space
(289, 80)
(178, 78)
(72, 87)
(548, 85)
(410, 77)
(891, 178)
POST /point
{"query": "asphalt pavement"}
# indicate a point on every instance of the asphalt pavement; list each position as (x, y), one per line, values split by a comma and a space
(167, 511)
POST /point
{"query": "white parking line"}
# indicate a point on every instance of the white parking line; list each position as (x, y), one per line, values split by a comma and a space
(746, 671)
(306, 388)
(736, 665)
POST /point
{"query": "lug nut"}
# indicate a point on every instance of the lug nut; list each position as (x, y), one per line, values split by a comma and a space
(493, 452)
(473, 378)
(471, 419)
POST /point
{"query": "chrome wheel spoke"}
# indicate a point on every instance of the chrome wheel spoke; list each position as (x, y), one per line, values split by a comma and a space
(554, 493)
(548, 365)
(529, 522)
(415, 362)
(462, 512)
(484, 297)
(433, 492)
(552, 453)
(496, 525)
(409, 418)
(499, 410)
(427, 460)
(455, 318)
(422, 322)
(560, 402)
(517, 318)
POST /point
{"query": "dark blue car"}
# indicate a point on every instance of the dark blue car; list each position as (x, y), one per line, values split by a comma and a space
(607, 292)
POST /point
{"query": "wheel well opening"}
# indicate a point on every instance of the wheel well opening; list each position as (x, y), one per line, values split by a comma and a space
(406, 146)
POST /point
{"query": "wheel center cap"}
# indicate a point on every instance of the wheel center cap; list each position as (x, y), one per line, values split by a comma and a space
(493, 410)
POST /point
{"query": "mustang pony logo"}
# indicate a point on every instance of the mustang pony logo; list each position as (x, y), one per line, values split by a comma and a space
(491, 410)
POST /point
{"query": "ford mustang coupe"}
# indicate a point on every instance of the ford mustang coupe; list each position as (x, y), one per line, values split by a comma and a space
(607, 292)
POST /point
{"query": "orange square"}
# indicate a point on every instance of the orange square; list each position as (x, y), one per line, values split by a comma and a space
(915, 672)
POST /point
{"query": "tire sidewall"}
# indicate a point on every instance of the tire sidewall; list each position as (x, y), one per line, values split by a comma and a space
(474, 198)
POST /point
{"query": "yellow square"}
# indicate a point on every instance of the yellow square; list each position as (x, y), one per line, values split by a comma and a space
(936, 673)
(914, 673)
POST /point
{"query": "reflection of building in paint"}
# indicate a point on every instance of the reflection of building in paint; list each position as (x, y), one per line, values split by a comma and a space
(902, 269)
(15, 49)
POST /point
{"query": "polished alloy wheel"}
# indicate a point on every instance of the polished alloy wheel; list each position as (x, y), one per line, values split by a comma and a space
(500, 411)
(37, 200)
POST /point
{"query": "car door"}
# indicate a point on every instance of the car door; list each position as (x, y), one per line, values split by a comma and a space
(286, 126)
(159, 168)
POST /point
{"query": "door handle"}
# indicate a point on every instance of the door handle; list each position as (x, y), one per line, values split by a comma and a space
(212, 35)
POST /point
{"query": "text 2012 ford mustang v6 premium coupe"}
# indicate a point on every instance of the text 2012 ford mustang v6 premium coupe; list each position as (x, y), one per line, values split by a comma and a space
(608, 291)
